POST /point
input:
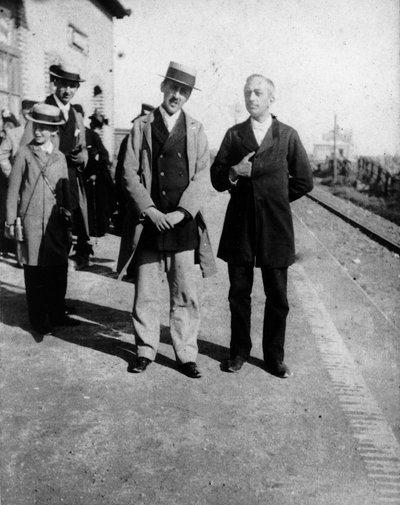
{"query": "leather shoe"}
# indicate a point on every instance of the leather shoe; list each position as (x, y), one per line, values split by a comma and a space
(65, 321)
(69, 309)
(278, 368)
(235, 364)
(190, 370)
(141, 364)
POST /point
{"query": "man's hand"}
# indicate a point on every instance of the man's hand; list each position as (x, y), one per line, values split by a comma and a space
(9, 231)
(175, 217)
(242, 169)
(158, 218)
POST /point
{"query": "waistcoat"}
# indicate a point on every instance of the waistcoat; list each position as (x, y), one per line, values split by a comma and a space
(170, 177)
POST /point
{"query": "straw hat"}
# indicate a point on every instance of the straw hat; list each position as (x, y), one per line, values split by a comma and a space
(45, 114)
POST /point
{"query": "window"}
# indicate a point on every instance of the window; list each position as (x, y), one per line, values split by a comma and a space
(78, 40)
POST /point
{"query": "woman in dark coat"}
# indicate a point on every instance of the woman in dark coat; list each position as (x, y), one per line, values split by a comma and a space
(99, 186)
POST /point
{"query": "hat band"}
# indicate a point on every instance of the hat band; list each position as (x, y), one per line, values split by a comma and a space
(45, 117)
(183, 77)
(67, 76)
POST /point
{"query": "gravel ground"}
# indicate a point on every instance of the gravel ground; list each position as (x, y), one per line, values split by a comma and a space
(372, 266)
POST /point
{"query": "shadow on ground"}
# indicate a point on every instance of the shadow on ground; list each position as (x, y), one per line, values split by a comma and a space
(103, 329)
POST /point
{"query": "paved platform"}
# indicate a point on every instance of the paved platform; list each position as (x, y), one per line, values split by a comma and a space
(79, 429)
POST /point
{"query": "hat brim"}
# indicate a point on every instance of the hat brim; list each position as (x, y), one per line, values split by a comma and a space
(66, 78)
(35, 120)
(180, 82)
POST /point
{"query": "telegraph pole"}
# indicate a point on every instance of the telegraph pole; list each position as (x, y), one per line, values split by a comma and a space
(334, 179)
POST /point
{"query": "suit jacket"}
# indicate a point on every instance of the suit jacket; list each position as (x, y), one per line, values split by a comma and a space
(258, 223)
(136, 179)
(82, 157)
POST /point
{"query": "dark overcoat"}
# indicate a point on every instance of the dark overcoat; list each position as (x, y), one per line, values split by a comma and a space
(29, 197)
(258, 224)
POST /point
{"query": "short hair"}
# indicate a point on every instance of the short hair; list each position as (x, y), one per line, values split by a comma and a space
(270, 84)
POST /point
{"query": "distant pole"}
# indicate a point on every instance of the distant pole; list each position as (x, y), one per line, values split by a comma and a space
(334, 180)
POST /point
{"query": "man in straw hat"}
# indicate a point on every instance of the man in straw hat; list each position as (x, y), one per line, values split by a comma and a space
(72, 144)
(165, 174)
(38, 217)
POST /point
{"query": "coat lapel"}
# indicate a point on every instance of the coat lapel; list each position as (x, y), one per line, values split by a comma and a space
(249, 141)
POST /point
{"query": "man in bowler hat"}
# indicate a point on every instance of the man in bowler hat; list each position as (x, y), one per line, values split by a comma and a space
(72, 144)
(264, 166)
(164, 174)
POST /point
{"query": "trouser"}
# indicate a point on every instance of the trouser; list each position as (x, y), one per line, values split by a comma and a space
(184, 313)
(275, 311)
(45, 293)
(83, 246)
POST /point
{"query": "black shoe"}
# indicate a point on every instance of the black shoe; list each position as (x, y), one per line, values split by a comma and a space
(190, 370)
(69, 309)
(41, 331)
(65, 321)
(141, 364)
(278, 368)
(235, 364)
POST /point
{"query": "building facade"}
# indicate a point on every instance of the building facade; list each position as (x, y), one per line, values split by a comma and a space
(35, 34)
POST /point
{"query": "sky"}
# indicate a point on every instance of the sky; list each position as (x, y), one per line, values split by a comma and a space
(326, 58)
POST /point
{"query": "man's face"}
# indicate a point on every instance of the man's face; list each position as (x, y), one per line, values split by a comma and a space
(175, 96)
(43, 132)
(257, 98)
(65, 90)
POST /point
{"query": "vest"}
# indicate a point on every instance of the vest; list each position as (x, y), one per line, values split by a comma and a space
(170, 178)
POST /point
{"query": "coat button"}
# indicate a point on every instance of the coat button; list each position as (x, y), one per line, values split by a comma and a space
(179, 155)
(162, 174)
(163, 193)
(161, 156)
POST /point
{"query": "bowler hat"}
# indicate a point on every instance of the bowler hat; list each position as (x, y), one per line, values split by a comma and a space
(8, 117)
(27, 104)
(98, 117)
(181, 74)
(60, 72)
(45, 114)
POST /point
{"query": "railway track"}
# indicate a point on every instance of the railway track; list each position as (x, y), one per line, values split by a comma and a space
(375, 234)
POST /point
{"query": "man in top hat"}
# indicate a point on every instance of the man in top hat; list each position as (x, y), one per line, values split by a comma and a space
(72, 144)
(165, 174)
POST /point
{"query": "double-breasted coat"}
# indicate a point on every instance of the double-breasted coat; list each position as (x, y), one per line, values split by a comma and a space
(258, 223)
(136, 180)
(29, 197)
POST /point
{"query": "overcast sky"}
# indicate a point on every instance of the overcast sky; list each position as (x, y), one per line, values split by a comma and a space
(325, 57)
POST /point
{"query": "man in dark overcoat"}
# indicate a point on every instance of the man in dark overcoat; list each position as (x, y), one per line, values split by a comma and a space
(164, 175)
(264, 166)
(72, 144)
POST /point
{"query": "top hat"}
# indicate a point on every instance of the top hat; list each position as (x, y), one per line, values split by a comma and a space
(60, 72)
(181, 74)
(45, 114)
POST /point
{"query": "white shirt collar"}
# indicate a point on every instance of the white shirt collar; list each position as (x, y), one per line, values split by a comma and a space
(47, 149)
(169, 121)
(260, 129)
(64, 108)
